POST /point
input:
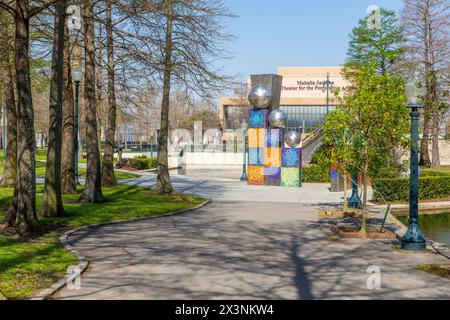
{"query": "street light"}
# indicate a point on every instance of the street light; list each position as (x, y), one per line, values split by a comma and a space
(244, 142)
(77, 77)
(413, 239)
(326, 87)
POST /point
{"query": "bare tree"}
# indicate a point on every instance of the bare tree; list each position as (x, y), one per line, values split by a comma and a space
(52, 201)
(21, 214)
(183, 41)
(10, 168)
(108, 177)
(93, 188)
(427, 27)
(68, 183)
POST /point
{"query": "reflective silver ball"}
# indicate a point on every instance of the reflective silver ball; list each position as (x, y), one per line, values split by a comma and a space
(293, 139)
(278, 119)
(260, 96)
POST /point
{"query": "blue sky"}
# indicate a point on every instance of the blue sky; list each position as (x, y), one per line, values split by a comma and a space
(273, 33)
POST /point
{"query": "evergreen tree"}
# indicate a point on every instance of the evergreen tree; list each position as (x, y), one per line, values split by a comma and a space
(376, 42)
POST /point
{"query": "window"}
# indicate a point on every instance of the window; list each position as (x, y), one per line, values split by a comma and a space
(307, 117)
(234, 116)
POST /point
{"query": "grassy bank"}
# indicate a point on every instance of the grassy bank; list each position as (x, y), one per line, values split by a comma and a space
(30, 264)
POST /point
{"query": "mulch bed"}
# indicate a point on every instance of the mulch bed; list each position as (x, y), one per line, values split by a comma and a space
(347, 232)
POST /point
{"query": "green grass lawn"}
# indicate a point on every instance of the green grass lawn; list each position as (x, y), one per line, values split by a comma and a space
(40, 167)
(30, 264)
(443, 169)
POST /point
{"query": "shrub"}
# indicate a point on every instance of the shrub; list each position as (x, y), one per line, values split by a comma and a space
(317, 174)
(141, 163)
(392, 190)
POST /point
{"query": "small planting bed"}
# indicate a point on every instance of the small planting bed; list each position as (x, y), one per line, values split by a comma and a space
(353, 232)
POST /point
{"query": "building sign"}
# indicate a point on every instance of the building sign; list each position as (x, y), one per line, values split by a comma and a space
(311, 86)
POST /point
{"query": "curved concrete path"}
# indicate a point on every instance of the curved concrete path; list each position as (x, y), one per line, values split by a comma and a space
(243, 251)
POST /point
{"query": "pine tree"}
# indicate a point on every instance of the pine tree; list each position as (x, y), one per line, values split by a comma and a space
(379, 43)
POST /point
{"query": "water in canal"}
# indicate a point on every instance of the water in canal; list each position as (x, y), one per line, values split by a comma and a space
(434, 226)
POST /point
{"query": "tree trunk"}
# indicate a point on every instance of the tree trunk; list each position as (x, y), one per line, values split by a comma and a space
(68, 183)
(433, 87)
(108, 177)
(164, 184)
(436, 159)
(345, 192)
(424, 142)
(21, 214)
(93, 188)
(364, 210)
(52, 201)
(10, 169)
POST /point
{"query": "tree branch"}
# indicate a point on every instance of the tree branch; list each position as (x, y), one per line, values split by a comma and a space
(36, 10)
(7, 7)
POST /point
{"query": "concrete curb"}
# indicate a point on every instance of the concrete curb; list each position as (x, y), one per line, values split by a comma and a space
(439, 247)
(443, 205)
(83, 262)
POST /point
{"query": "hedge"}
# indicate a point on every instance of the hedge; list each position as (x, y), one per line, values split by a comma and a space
(316, 174)
(435, 173)
(393, 190)
(141, 163)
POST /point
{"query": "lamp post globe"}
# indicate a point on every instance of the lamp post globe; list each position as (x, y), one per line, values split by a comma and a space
(77, 75)
(413, 240)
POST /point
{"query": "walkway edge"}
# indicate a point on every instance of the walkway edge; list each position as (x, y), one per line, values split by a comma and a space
(440, 248)
(83, 263)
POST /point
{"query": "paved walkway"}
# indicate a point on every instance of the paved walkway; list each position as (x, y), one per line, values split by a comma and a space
(232, 190)
(237, 250)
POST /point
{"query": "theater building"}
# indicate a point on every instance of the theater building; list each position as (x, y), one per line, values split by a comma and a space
(303, 97)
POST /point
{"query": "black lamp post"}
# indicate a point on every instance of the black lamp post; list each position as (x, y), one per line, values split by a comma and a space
(413, 239)
(77, 75)
(244, 142)
(327, 87)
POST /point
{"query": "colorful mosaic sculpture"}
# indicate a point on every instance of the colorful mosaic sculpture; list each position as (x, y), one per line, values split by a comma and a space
(255, 175)
(272, 176)
(275, 138)
(256, 138)
(290, 177)
(272, 157)
(269, 162)
(256, 156)
(291, 157)
(258, 118)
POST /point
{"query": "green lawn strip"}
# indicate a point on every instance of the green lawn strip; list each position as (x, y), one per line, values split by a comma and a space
(40, 171)
(31, 264)
(442, 169)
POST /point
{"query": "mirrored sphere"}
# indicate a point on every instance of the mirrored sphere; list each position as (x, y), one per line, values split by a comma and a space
(278, 119)
(293, 139)
(260, 96)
